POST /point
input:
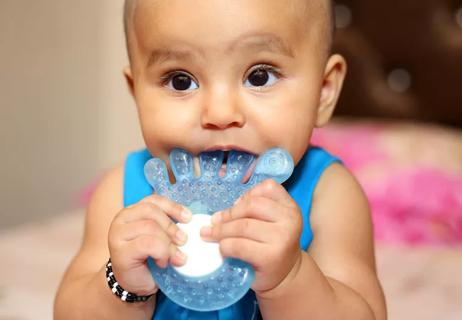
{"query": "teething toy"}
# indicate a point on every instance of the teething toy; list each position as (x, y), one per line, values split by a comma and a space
(208, 281)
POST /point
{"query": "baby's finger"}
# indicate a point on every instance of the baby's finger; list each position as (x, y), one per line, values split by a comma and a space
(148, 211)
(151, 227)
(172, 209)
(244, 249)
(159, 247)
(260, 208)
(270, 189)
(256, 230)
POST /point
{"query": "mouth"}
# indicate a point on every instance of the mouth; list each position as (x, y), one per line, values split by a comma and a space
(226, 150)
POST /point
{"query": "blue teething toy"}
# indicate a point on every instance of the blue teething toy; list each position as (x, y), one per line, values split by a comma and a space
(206, 195)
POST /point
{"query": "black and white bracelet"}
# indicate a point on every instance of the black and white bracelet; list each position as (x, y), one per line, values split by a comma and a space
(118, 290)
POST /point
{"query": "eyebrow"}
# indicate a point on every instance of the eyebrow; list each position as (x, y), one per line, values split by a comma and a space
(262, 42)
(162, 55)
(252, 42)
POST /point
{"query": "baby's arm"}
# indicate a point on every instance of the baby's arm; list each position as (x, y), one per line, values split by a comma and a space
(83, 293)
(337, 278)
(129, 234)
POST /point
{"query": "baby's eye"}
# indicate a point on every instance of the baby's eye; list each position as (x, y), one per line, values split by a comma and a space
(180, 81)
(262, 76)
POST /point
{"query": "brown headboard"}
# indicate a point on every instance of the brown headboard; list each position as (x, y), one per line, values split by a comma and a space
(404, 58)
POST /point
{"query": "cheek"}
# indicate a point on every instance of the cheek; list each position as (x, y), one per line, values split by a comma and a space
(290, 109)
(287, 120)
(293, 131)
(163, 114)
(163, 124)
(299, 127)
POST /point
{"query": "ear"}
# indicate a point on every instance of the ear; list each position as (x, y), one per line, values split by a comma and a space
(334, 75)
(129, 79)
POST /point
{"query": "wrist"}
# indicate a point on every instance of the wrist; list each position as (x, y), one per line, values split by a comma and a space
(91, 290)
(120, 292)
(286, 284)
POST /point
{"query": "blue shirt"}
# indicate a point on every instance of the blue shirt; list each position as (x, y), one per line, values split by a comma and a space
(300, 186)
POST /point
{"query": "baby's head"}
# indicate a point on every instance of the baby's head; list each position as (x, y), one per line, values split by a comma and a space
(240, 74)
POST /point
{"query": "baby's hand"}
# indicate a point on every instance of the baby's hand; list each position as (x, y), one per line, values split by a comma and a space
(262, 228)
(144, 230)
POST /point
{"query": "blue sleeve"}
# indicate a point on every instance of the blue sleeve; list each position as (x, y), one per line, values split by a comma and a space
(303, 182)
(135, 185)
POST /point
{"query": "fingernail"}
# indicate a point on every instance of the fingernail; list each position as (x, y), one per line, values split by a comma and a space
(216, 218)
(206, 231)
(180, 255)
(186, 214)
(181, 236)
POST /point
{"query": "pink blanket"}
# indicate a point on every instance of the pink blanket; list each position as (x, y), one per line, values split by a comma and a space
(412, 175)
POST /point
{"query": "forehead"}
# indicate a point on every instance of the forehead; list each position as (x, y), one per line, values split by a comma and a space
(215, 22)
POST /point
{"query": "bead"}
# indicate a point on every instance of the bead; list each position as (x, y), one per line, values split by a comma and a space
(118, 290)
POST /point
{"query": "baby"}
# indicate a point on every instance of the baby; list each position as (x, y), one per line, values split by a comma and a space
(226, 75)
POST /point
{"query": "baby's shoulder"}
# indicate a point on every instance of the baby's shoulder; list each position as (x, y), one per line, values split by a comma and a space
(110, 186)
(105, 203)
(338, 197)
(337, 177)
(107, 198)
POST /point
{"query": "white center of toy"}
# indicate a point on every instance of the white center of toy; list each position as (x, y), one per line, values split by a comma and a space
(203, 257)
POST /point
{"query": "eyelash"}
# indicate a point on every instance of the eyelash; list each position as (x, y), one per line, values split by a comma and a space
(171, 74)
(165, 79)
(266, 67)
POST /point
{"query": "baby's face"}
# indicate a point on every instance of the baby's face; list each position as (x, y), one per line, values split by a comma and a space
(219, 74)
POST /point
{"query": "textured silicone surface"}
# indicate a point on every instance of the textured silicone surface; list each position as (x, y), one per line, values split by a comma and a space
(207, 194)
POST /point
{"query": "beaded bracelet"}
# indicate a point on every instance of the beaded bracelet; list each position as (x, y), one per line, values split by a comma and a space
(118, 290)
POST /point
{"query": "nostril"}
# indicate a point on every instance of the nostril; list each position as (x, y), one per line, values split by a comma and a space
(222, 125)
(222, 116)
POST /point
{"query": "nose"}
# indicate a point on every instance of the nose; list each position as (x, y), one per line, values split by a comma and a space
(221, 109)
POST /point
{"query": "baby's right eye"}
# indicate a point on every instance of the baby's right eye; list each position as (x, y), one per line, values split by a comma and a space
(180, 81)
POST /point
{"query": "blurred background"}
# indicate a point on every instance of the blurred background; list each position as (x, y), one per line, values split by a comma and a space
(66, 117)
(65, 114)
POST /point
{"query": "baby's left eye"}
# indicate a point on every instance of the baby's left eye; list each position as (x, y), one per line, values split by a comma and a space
(262, 76)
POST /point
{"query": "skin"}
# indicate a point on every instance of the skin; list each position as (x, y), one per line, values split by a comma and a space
(225, 105)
